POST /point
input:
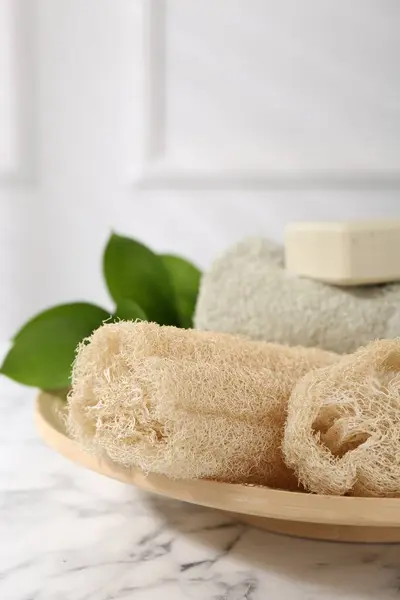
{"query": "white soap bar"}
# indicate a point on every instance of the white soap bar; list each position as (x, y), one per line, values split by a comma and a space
(344, 253)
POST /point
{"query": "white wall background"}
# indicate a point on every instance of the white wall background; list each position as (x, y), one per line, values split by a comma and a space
(187, 125)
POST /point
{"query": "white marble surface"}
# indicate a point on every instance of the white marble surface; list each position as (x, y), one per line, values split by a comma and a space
(68, 534)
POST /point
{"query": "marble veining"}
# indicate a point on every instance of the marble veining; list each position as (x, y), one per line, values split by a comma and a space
(69, 534)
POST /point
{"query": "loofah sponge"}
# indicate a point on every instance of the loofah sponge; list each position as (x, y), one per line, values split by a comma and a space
(342, 434)
(248, 291)
(185, 403)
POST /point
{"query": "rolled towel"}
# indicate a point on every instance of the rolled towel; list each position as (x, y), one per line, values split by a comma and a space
(247, 291)
(185, 403)
(342, 434)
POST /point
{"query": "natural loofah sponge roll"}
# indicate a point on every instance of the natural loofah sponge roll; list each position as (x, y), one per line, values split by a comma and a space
(186, 403)
(140, 339)
(342, 434)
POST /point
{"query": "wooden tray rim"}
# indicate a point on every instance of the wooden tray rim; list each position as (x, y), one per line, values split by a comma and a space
(235, 498)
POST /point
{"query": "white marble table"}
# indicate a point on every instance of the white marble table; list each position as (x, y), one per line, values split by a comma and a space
(68, 534)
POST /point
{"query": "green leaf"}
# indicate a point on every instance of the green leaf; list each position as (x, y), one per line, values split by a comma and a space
(185, 279)
(129, 310)
(44, 349)
(133, 271)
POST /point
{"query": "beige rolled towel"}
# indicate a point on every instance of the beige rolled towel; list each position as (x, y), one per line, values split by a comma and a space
(342, 434)
(186, 403)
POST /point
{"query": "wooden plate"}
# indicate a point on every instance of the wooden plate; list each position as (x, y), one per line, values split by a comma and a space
(302, 515)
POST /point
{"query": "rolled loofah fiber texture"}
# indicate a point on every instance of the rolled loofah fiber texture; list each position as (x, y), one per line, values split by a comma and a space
(186, 403)
(342, 434)
(247, 291)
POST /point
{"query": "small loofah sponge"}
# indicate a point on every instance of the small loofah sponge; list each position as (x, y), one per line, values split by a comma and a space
(342, 434)
(186, 403)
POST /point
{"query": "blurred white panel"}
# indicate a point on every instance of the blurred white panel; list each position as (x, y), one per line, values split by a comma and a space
(17, 79)
(268, 93)
(9, 151)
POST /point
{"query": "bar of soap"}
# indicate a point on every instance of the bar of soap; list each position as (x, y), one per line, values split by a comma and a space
(344, 253)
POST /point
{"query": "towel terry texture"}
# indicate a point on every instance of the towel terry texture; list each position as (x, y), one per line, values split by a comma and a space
(247, 291)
